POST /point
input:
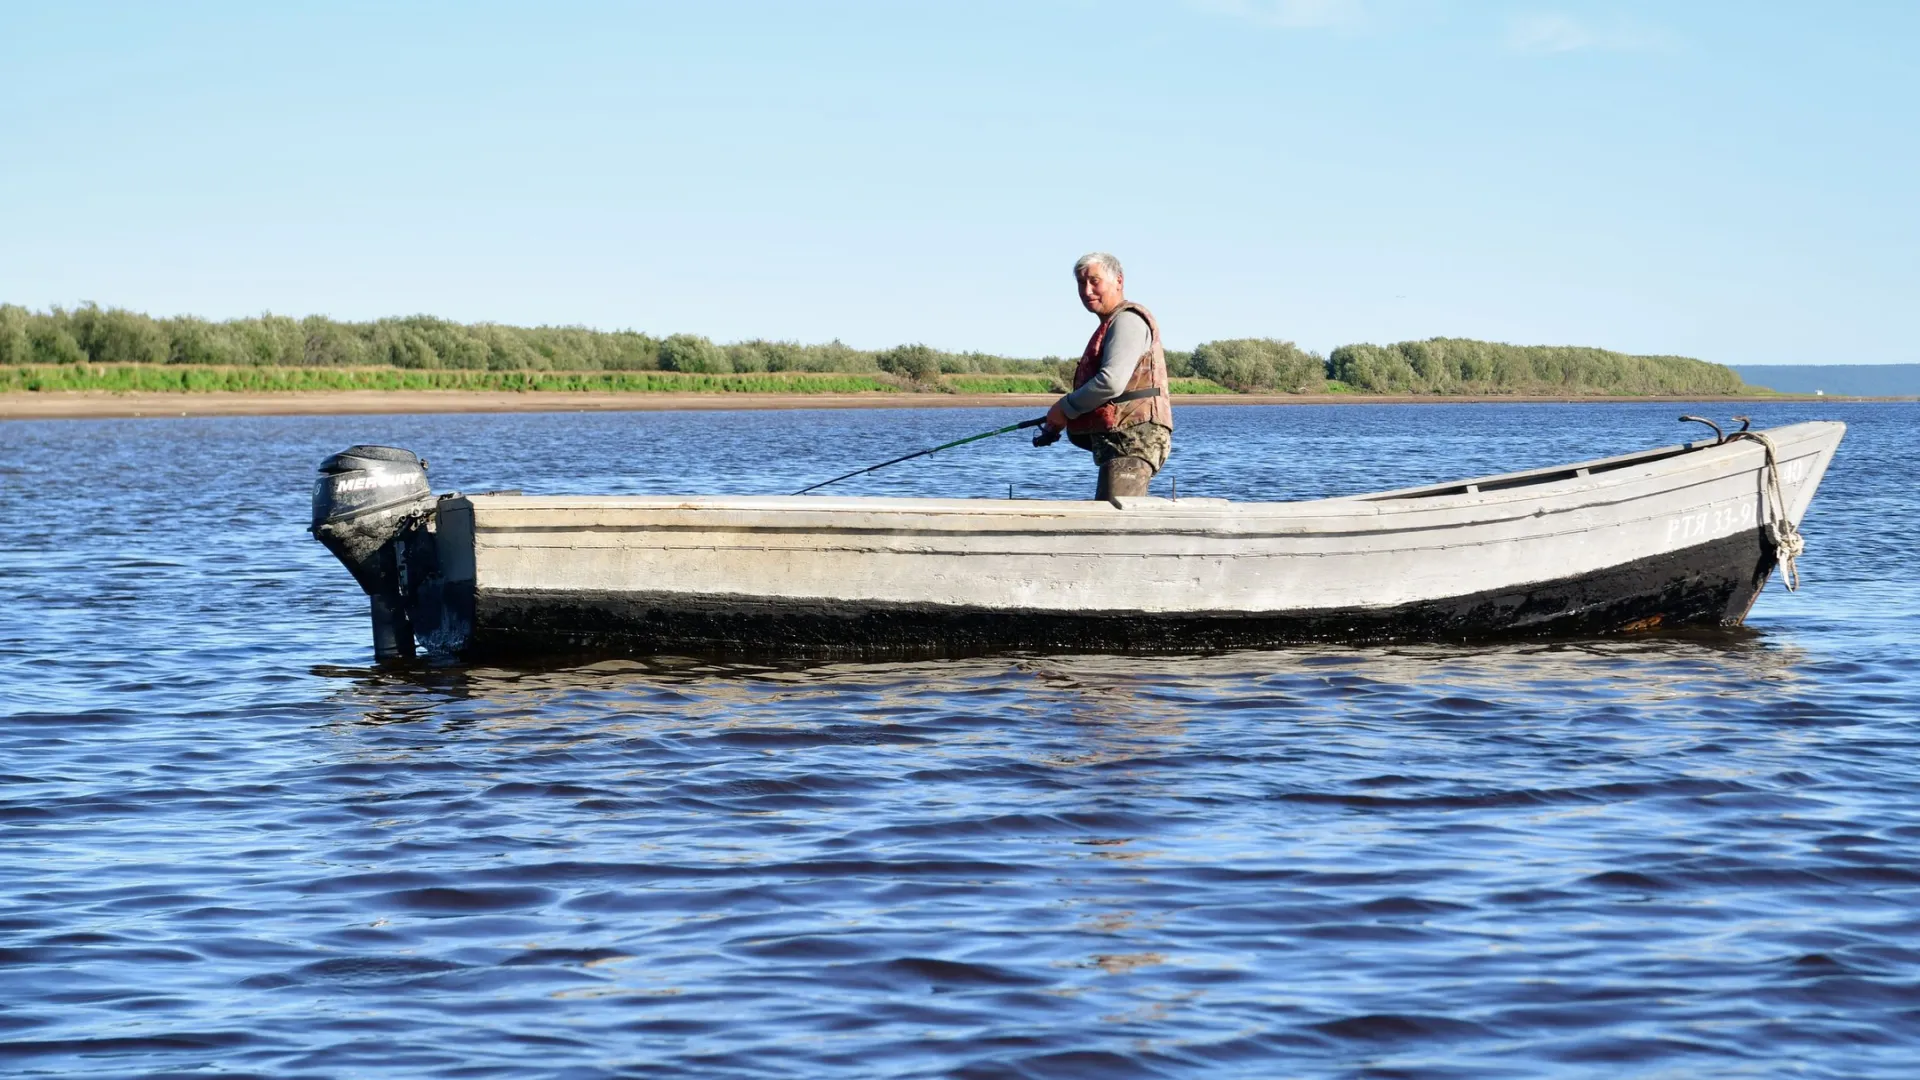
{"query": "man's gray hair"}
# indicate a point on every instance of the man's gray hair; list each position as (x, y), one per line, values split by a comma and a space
(1112, 264)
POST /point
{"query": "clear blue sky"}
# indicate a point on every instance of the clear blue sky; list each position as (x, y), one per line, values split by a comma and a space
(1735, 181)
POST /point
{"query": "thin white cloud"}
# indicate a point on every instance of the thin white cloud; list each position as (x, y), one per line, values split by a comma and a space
(1549, 32)
(1292, 14)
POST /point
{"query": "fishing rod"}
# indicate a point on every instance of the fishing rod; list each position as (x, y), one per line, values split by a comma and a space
(1043, 439)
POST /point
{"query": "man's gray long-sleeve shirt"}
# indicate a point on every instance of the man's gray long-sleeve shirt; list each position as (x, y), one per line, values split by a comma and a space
(1127, 341)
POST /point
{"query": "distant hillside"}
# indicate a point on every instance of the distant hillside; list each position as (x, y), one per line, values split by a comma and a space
(1856, 380)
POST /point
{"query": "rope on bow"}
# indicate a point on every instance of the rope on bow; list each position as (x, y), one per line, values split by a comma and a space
(1788, 544)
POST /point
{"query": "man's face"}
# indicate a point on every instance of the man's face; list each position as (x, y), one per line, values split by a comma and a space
(1100, 290)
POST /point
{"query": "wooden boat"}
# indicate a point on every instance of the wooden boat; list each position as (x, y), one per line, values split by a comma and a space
(1680, 536)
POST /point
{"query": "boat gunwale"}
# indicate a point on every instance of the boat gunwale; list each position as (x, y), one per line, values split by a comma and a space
(1377, 537)
(1373, 517)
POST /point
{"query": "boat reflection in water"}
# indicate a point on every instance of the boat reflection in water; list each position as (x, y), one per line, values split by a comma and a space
(1118, 696)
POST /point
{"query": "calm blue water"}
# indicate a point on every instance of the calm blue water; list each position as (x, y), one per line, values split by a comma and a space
(234, 847)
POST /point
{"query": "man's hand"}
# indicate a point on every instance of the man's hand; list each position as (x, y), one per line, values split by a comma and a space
(1051, 426)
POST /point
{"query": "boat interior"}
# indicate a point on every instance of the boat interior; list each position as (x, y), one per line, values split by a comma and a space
(1532, 477)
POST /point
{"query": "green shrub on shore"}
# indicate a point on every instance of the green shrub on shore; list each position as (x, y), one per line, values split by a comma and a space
(693, 354)
(1248, 364)
(916, 362)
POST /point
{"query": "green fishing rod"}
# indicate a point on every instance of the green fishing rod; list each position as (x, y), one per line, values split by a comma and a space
(1042, 439)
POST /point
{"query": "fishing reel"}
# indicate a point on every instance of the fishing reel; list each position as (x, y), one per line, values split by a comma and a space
(1046, 437)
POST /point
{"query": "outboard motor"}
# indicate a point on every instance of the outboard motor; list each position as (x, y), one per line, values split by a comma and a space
(365, 498)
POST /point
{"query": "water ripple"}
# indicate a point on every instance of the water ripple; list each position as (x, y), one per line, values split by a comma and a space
(235, 846)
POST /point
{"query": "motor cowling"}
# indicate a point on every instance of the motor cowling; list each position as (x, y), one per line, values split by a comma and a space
(364, 499)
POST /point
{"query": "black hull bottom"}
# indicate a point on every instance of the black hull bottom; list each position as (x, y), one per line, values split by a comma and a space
(1709, 585)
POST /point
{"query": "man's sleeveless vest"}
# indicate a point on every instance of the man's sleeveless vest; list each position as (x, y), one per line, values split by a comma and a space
(1141, 404)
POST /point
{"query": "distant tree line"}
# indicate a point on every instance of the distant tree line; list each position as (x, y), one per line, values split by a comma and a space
(112, 336)
(92, 334)
(1461, 366)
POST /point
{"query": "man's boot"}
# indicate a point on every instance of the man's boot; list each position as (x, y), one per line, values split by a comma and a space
(1123, 476)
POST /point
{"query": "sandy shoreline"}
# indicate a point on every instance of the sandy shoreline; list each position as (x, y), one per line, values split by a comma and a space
(88, 404)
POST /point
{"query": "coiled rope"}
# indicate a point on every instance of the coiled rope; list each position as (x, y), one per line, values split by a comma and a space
(1788, 544)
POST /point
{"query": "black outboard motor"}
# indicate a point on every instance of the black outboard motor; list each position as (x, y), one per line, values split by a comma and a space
(366, 497)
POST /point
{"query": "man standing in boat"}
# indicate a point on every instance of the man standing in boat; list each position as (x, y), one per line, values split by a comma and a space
(1120, 407)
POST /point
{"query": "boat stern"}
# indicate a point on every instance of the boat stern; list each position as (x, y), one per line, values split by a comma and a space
(410, 551)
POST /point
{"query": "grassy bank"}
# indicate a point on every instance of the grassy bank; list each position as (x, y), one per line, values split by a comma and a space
(1041, 384)
(196, 378)
(211, 378)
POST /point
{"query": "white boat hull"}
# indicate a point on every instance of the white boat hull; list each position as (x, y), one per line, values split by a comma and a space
(1669, 538)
